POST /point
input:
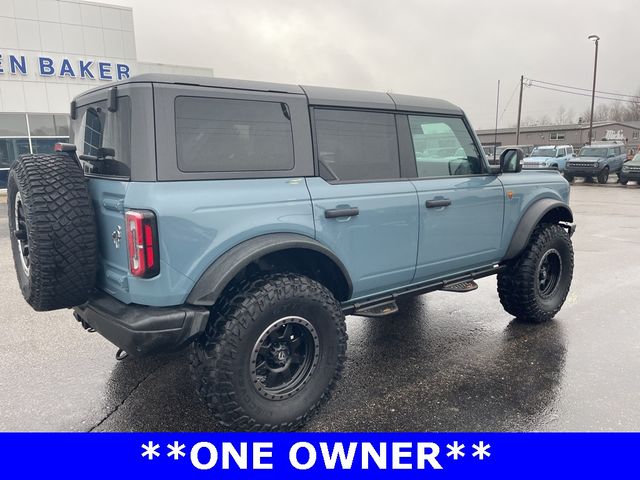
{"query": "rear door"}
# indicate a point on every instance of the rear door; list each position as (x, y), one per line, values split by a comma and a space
(461, 205)
(363, 210)
(96, 127)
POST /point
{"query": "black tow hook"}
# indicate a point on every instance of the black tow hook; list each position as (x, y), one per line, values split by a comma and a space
(121, 355)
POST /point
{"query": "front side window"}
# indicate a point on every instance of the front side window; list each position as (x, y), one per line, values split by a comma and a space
(443, 147)
(103, 138)
(228, 135)
(354, 145)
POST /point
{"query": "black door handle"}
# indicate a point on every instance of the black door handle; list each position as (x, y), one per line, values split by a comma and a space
(341, 212)
(441, 202)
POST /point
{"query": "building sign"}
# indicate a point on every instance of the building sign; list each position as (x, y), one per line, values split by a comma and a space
(45, 66)
(614, 135)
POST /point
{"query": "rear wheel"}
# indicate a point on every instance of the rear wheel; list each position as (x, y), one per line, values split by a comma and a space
(272, 354)
(533, 288)
(52, 229)
(603, 176)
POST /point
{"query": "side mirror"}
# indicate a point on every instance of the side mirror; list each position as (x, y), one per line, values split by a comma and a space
(104, 152)
(511, 160)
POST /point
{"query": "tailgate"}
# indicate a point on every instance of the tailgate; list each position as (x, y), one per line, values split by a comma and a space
(113, 264)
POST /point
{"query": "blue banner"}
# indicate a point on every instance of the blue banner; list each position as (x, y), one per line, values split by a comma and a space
(315, 455)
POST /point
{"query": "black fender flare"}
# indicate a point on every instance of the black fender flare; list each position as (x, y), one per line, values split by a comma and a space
(531, 218)
(218, 275)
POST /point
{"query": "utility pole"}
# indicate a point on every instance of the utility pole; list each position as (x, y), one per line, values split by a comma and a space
(596, 38)
(495, 136)
(519, 111)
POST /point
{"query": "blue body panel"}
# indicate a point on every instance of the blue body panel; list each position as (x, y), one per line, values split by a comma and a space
(547, 162)
(527, 188)
(463, 235)
(394, 241)
(197, 222)
(379, 245)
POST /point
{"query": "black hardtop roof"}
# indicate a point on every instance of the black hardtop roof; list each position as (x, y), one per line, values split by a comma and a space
(338, 97)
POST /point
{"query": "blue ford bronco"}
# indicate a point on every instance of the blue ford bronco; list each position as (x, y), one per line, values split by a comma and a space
(244, 220)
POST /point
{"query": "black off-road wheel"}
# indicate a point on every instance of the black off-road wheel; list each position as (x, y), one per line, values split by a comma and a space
(603, 176)
(534, 287)
(623, 180)
(272, 353)
(53, 231)
(568, 177)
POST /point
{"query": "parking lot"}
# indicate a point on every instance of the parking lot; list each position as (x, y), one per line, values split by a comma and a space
(446, 361)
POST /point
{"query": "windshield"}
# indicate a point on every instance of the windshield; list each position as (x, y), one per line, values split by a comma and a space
(544, 152)
(593, 152)
(636, 159)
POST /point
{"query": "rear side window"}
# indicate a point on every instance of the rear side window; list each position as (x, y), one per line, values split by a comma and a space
(355, 145)
(97, 132)
(226, 135)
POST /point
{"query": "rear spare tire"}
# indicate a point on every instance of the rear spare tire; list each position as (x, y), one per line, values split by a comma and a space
(53, 231)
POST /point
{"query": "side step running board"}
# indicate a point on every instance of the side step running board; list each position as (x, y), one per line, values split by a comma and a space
(461, 287)
(378, 310)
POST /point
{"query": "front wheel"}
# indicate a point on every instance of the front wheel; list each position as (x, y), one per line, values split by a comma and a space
(272, 353)
(623, 180)
(568, 177)
(533, 288)
(603, 176)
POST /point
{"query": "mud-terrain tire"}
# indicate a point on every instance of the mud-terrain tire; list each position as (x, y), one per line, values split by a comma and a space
(231, 363)
(603, 176)
(533, 287)
(623, 180)
(568, 177)
(53, 231)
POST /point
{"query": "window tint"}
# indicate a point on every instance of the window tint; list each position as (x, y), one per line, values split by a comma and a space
(356, 145)
(443, 147)
(100, 129)
(222, 135)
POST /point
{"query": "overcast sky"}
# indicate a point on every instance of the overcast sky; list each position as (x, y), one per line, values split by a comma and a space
(452, 49)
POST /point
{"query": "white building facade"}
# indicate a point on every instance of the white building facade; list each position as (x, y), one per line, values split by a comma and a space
(51, 51)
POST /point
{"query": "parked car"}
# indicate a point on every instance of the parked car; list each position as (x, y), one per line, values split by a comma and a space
(490, 154)
(549, 157)
(246, 219)
(596, 160)
(631, 171)
(495, 160)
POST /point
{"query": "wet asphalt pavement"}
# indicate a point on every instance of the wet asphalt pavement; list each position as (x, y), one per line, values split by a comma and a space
(447, 361)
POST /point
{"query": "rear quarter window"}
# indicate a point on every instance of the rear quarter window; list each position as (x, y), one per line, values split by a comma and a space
(230, 135)
(98, 129)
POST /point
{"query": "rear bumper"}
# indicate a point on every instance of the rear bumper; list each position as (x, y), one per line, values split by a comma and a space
(140, 330)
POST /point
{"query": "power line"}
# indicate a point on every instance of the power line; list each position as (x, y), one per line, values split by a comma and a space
(583, 89)
(586, 94)
(509, 101)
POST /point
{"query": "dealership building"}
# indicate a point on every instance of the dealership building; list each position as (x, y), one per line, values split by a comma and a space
(51, 51)
(575, 134)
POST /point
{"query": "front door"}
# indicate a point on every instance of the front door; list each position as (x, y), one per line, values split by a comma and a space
(363, 211)
(461, 204)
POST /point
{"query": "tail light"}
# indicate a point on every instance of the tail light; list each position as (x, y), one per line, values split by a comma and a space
(142, 243)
